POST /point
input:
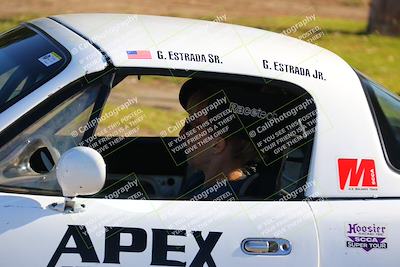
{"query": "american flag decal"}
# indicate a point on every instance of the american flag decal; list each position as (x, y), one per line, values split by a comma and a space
(139, 54)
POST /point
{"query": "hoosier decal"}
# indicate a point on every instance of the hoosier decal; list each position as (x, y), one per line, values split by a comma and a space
(366, 236)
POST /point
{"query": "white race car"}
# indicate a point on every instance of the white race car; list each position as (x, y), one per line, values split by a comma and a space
(129, 140)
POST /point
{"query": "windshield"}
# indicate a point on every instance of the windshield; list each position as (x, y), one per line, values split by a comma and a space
(27, 59)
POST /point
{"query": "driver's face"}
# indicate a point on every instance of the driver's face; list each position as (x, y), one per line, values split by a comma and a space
(197, 157)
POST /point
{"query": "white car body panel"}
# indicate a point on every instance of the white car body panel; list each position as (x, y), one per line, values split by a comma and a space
(344, 113)
(28, 216)
(333, 219)
(345, 129)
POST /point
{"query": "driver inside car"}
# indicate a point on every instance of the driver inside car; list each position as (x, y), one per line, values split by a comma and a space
(222, 152)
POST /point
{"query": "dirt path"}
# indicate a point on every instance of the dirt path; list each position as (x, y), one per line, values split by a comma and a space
(354, 9)
(161, 94)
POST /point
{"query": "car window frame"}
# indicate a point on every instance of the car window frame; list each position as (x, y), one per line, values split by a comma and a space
(110, 77)
(371, 99)
(104, 80)
(123, 72)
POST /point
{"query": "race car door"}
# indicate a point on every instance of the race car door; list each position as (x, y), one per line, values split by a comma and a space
(363, 229)
(159, 233)
(156, 208)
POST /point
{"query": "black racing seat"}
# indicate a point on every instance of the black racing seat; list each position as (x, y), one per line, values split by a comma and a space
(260, 186)
(263, 185)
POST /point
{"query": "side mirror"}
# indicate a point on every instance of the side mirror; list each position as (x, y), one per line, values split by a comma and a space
(81, 171)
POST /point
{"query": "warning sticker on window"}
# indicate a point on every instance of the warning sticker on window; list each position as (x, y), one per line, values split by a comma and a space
(50, 59)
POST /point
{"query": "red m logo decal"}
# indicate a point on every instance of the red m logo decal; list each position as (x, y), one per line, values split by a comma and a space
(366, 169)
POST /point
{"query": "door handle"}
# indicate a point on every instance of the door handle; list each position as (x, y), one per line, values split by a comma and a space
(266, 246)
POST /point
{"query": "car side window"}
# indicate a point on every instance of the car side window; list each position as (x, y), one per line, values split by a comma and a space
(204, 139)
(27, 161)
(140, 108)
(386, 108)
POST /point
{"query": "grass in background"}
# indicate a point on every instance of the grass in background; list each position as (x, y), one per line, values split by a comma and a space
(155, 120)
(375, 55)
(6, 24)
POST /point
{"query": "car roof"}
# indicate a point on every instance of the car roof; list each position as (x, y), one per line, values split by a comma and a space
(116, 34)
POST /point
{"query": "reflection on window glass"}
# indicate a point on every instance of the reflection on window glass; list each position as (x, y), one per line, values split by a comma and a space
(387, 110)
(41, 144)
(27, 58)
(391, 108)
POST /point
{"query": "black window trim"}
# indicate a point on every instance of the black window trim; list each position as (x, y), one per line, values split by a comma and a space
(372, 105)
(39, 111)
